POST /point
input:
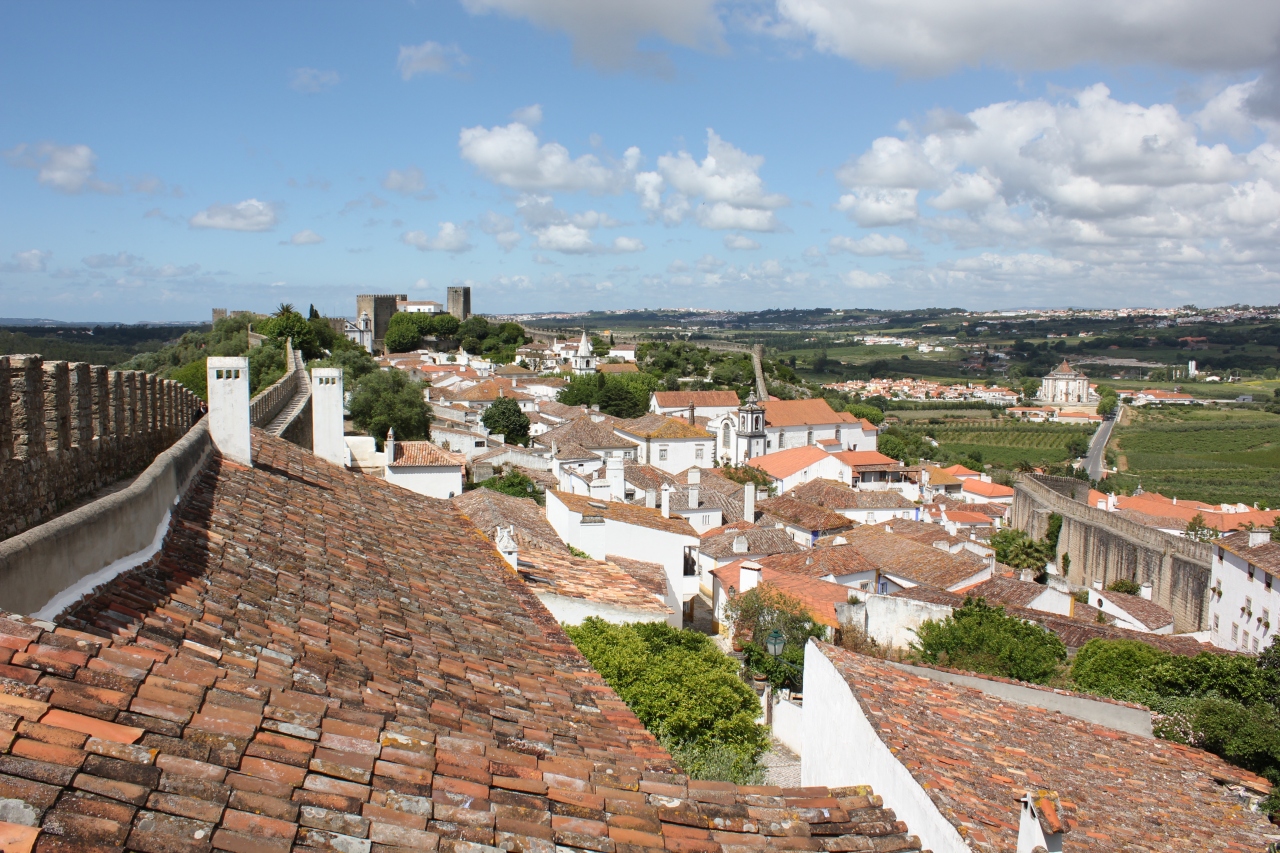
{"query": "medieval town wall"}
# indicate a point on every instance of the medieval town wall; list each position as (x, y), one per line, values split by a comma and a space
(1103, 546)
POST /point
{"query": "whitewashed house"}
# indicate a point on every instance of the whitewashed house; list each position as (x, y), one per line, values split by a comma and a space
(423, 467)
(1243, 592)
(671, 444)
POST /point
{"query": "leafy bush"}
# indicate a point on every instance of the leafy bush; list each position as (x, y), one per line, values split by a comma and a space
(1112, 667)
(514, 483)
(981, 638)
(1125, 586)
(684, 689)
(1017, 549)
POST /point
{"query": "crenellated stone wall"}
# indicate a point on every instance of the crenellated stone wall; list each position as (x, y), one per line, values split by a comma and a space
(67, 429)
(1105, 547)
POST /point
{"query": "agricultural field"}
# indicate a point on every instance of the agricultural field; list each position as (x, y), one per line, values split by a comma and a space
(913, 415)
(1210, 455)
(1004, 444)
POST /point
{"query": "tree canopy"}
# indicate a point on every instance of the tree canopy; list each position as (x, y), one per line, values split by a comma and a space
(504, 416)
(981, 638)
(388, 398)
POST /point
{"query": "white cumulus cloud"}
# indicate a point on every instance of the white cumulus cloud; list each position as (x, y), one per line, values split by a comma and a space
(872, 245)
(32, 260)
(66, 168)
(305, 237)
(247, 215)
(605, 32)
(530, 116)
(740, 242)
(429, 58)
(938, 36)
(513, 156)
(449, 238)
(726, 184)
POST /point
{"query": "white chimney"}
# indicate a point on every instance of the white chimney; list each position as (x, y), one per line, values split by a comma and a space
(326, 415)
(739, 544)
(650, 498)
(1097, 585)
(695, 479)
(1259, 537)
(228, 382)
(1145, 590)
(666, 501)
(506, 544)
(1111, 503)
(389, 446)
(600, 489)
(617, 481)
(748, 576)
(749, 503)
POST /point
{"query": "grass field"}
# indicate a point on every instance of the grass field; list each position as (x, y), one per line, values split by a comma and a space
(1004, 443)
(1216, 456)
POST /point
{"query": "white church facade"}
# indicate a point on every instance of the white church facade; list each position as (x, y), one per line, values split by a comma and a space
(1066, 385)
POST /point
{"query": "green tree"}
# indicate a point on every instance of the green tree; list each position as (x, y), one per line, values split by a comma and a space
(1125, 586)
(981, 638)
(893, 447)
(1077, 445)
(617, 398)
(1112, 667)
(504, 416)
(388, 398)
(755, 614)
(1198, 530)
(684, 690)
(289, 324)
(403, 333)
(194, 377)
(1108, 404)
(444, 325)
(871, 413)
(474, 327)
(1017, 549)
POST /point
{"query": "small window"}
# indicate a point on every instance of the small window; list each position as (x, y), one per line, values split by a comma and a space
(1255, 644)
(1215, 623)
(1248, 605)
(697, 452)
(1267, 581)
(1251, 571)
(662, 454)
(1235, 631)
(1245, 636)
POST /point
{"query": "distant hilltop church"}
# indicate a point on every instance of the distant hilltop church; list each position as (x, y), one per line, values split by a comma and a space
(1066, 385)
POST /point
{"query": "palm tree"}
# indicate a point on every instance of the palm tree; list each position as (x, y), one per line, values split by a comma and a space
(284, 309)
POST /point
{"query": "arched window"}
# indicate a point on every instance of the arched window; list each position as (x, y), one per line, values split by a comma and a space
(724, 436)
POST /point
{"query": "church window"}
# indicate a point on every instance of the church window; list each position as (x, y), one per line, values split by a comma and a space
(724, 436)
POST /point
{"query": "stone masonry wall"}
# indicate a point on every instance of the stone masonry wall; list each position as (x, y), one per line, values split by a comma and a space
(1103, 546)
(67, 429)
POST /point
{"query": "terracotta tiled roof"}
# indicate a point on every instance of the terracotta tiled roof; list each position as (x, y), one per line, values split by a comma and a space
(975, 755)
(988, 490)
(912, 561)
(625, 367)
(660, 426)
(961, 517)
(645, 477)
(490, 390)
(821, 597)
(803, 514)
(1149, 613)
(685, 399)
(820, 562)
(817, 412)
(489, 510)
(317, 660)
(424, 453)
(651, 576)
(924, 532)
(960, 471)
(761, 541)
(939, 477)
(1007, 591)
(1265, 556)
(622, 512)
(855, 458)
(599, 581)
(784, 463)
(585, 432)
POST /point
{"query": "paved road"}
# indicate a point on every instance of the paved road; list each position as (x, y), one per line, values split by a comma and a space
(1093, 461)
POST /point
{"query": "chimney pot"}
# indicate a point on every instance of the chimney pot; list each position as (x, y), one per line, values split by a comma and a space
(650, 499)
(228, 383)
(666, 501)
(1145, 591)
(749, 503)
(1259, 537)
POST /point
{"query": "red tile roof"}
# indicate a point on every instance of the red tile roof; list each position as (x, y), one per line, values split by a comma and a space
(865, 457)
(820, 562)
(821, 597)
(425, 454)
(975, 755)
(718, 543)
(320, 660)
(985, 489)
(785, 463)
(488, 510)
(598, 581)
(912, 561)
(660, 427)
(803, 514)
(818, 412)
(621, 512)
(685, 399)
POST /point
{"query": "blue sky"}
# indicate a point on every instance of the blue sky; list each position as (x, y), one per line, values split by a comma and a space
(159, 159)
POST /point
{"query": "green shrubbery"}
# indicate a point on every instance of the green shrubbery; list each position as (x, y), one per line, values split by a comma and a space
(981, 638)
(385, 399)
(685, 690)
(624, 395)
(755, 614)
